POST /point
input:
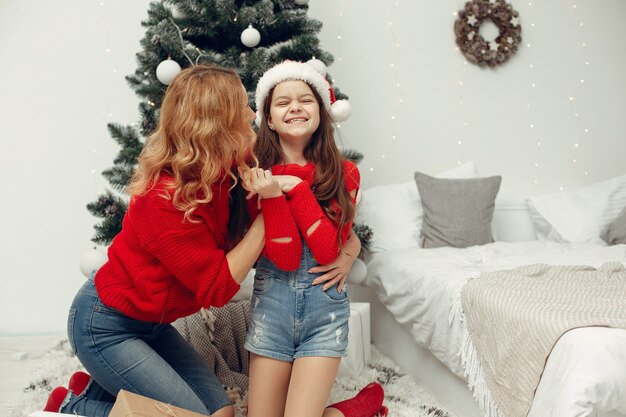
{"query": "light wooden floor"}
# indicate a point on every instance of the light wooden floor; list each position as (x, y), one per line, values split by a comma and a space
(15, 374)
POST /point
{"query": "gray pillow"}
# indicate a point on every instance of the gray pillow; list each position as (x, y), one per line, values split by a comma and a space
(615, 232)
(457, 212)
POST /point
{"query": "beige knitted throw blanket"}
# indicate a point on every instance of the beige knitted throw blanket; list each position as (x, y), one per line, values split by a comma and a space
(513, 319)
(218, 334)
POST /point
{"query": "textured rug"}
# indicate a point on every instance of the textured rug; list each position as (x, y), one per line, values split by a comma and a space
(403, 397)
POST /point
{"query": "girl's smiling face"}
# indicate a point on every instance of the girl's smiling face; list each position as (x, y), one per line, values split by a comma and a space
(294, 110)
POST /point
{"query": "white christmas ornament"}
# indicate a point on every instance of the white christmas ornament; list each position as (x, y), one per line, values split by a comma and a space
(167, 70)
(301, 2)
(318, 65)
(250, 37)
(91, 261)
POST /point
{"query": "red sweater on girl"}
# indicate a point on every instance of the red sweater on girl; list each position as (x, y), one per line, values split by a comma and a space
(162, 267)
(291, 215)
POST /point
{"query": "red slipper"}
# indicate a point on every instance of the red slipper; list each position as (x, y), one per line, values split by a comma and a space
(367, 403)
(78, 382)
(383, 411)
(56, 399)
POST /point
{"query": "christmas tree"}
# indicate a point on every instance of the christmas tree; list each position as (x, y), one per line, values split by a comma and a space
(247, 35)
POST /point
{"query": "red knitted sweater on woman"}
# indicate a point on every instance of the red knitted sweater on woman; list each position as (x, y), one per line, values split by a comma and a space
(290, 216)
(162, 267)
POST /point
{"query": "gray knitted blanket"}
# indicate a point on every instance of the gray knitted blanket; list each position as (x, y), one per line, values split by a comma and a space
(515, 317)
(218, 334)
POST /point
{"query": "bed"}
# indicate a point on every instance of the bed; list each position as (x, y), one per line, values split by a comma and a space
(418, 318)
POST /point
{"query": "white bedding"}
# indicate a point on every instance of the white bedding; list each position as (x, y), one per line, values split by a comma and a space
(421, 288)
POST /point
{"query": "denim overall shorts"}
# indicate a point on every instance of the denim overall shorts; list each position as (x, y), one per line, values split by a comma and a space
(292, 318)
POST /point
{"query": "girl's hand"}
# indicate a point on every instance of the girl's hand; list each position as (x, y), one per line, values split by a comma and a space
(337, 271)
(287, 182)
(263, 183)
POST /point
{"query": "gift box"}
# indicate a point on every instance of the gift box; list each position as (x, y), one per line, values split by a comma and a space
(128, 404)
(359, 341)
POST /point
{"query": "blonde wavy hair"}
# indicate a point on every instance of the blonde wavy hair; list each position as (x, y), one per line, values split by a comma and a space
(204, 131)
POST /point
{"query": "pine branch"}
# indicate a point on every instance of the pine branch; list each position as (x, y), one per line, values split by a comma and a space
(204, 31)
(157, 11)
(339, 95)
(253, 67)
(128, 139)
(111, 209)
(365, 235)
(107, 205)
(355, 156)
(149, 119)
(119, 176)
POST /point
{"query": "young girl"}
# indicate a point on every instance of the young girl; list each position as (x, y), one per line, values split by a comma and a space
(180, 249)
(299, 330)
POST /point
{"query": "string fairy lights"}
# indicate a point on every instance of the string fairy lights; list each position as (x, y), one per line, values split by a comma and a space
(460, 136)
(111, 61)
(105, 12)
(396, 85)
(534, 130)
(533, 88)
(582, 129)
(339, 56)
(488, 31)
(392, 114)
(93, 258)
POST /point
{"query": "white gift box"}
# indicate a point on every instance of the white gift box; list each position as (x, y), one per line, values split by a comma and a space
(359, 341)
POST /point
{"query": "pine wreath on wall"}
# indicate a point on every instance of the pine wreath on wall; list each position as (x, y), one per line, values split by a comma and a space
(475, 48)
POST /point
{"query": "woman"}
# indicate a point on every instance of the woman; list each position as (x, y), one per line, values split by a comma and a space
(180, 249)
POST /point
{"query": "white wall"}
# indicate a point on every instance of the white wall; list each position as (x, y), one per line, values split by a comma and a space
(58, 90)
(430, 122)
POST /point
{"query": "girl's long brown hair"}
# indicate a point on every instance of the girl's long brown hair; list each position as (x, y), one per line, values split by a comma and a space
(203, 132)
(323, 152)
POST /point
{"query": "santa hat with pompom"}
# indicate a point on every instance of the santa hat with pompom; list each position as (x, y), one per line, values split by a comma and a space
(308, 72)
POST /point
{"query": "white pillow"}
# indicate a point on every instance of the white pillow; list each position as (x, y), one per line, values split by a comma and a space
(394, 211)
(579, 215)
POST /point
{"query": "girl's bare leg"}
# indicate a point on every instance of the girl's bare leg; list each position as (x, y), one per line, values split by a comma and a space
(227, 411)
(312, 379)
(269, 383)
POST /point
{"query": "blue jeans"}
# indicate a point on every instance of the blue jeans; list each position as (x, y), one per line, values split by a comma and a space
(291, 318)
(149, 359)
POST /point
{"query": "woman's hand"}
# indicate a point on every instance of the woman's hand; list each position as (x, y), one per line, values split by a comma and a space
(241, 258)
(287, 182)
(337, 271)
(258, 225)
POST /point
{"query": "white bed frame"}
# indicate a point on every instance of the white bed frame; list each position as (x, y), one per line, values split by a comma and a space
(511, 223)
